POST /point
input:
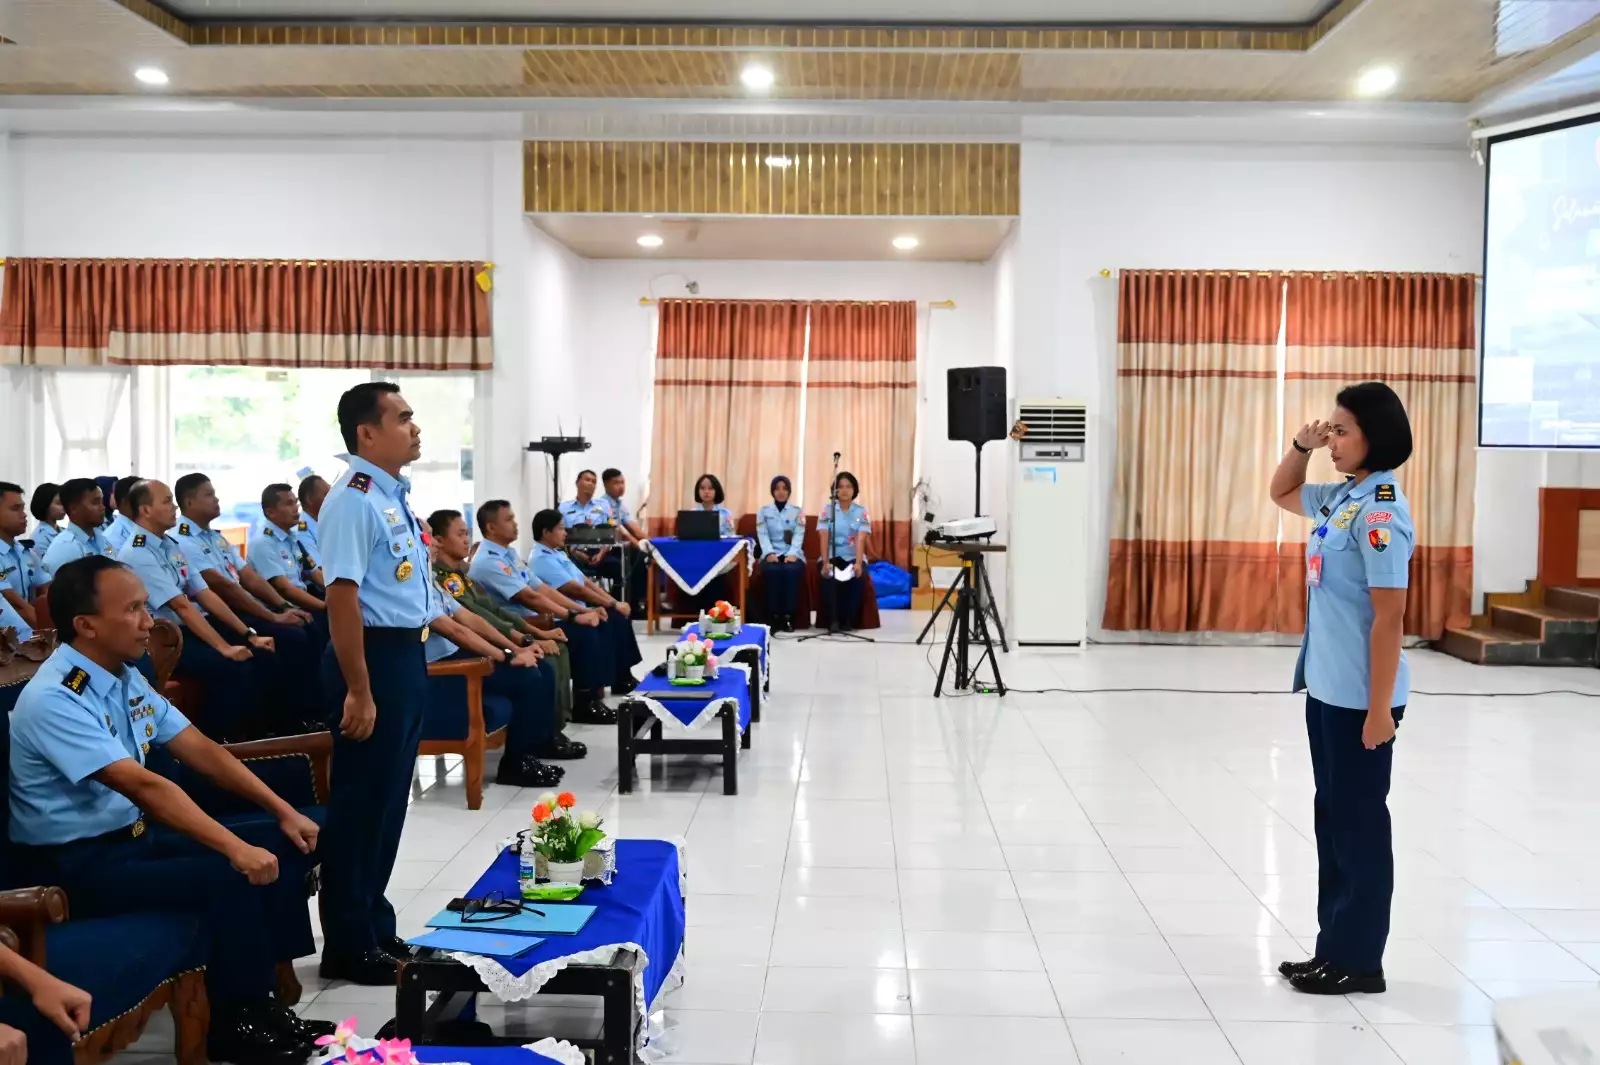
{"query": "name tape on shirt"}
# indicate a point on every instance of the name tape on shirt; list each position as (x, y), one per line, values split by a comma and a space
(1384, 494)
(361, 482)
(1379, 517)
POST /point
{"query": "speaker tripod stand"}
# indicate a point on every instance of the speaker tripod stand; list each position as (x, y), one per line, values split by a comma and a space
(969, 626)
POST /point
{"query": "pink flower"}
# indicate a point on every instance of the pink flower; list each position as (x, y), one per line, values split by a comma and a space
(711, 661)
(396, 1051)
(341, 1036)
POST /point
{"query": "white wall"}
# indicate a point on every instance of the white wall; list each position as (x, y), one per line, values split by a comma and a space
(1091, 207)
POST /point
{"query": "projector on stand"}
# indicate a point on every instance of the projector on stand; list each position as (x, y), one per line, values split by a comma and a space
(965, 529)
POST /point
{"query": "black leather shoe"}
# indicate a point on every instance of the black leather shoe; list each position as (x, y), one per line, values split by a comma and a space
(595, 713)
(396, 948)
(373, 969)
(1291, 969)
(525, 771)
(246, 1037)
(561, 749)
(1329, 979)
(286, 1022)
(624, 685)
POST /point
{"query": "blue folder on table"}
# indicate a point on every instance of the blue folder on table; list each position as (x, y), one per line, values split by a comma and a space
(560, 919)
(489, 944)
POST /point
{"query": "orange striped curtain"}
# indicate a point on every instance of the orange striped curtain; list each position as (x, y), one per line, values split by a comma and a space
(224, 312)
(861, 401)
(1417, 334)
(1193, 533)
(727, 401)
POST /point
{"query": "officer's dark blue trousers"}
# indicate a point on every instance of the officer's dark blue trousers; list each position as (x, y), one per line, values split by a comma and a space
(294, 673)
(782, 582)
(1355, 849)
(624, 646)
(233, 690)
(844, 600)
(531, 693)
(251, 928)
(371, 783)
(593, 666)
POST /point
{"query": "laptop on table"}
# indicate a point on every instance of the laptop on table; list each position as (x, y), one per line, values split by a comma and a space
(699, 525)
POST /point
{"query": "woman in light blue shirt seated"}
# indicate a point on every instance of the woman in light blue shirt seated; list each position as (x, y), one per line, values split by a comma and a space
(46, 507)
(845, 546)
(781, 528)
(708, 495)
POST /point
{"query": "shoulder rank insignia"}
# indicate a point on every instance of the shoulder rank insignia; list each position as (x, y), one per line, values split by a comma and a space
(1384, 494)
(183, 529)
(138, 541)
(361, 482)
(76, 680)
(266, 530)
(302, 526)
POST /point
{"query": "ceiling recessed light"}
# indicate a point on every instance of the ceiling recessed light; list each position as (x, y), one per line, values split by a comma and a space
(756, 77)
(650, 240)
(905, 243)
(1375, 81)
(779, 162)
(151, 75)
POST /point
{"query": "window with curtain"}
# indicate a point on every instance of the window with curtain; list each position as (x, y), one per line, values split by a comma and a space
(88, 424)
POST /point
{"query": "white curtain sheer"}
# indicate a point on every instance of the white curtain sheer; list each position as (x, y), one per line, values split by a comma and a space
(85, 405)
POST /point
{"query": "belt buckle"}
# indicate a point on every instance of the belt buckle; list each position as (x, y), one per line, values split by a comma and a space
(425, 633)
(137, 828)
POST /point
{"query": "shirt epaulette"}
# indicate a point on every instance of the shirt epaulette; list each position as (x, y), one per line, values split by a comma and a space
(138, 541)
(361, 482)
(183, 529)
(76, 680)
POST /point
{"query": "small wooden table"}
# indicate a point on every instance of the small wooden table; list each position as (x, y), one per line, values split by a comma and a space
(653, 610)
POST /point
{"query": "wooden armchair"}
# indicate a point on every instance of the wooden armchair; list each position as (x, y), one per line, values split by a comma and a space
(444, 732)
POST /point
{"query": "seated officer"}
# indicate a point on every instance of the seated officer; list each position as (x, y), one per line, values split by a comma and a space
(499, 570)
(233, 682)
(88, 815)
(20, 572)
(552, 566)
(312, 492)
(42, 1034)
(278, 554)
(86, 509)
(451, 545)
(631, 533)
(519, 677)
(585, 509)
(46, 507)
(121, 527)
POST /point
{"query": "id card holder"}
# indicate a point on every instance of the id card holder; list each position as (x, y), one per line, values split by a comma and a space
(1314, 570)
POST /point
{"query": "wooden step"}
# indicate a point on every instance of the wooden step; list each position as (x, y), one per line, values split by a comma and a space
(1542, 622)
(1490, 646)
(1581, 601)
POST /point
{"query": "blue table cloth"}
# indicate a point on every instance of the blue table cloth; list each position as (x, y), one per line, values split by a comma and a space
(692, 563)
(481, 1056)
(730, 685)
(757, 636)
(642, 909)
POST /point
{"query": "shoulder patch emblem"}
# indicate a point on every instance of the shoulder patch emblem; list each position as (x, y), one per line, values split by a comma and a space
(183, 529)
(1378, 538)
(506, 570)
(138, 541)
(1379, 517)
(76, 681)
(361, 482)
(1384, 494)
(455, 586)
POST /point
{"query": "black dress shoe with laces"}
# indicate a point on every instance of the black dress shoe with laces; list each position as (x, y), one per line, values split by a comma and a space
(594, 713)
(247, 1036)
(396, 948)
(624, 684)
(1329, 979)
(525, 771)
(561, 749)
(1290, 969)
(285, 1021)
(376, 968)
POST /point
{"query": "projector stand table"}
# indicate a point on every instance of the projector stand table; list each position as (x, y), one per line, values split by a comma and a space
(969, 616)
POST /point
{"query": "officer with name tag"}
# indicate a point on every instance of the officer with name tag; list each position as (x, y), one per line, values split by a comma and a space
(375, 677)
(845, 544)
(552, 566)
(86, 510)
(781, 530)
(46, 508)
(21, 573)
(499, 569)
(88, 815)
(1353, 672)
(634, 555)
(278, 552)
(586, 508)
(233, 677)
(121, 526)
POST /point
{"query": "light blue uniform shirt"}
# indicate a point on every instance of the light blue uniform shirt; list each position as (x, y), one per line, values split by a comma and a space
(724, 519)
(161, 564)
(781, 532)
(73, 544)
(620, 514)
(71, 721)
(853, 521)
(308, 531)
(1364, 541)
(43, 537)
(10, 619)
(20, 569)
(369, 536)
(594, 512)
(275, 553)
(554, 567)
(437, 646)
(120, 531)
(501, 572)
(207, 549)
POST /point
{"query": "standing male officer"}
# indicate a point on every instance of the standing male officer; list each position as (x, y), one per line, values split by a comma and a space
(86, 509)
(88, 815)
(20, 572)
(380, 602)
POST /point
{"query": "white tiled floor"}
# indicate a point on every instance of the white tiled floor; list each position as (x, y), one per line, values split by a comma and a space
(1064, 878)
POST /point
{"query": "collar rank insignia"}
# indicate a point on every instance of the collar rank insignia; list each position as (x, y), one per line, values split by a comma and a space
(183, 529)
(77, 680)
(1384, 493)
(361, 482)
(302, 526)
(138, 541)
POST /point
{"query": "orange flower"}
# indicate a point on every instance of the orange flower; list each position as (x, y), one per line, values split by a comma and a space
(566, 800)
(541, 813)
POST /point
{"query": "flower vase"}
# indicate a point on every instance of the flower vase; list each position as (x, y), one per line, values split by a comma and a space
(694, 672)
(564, 872)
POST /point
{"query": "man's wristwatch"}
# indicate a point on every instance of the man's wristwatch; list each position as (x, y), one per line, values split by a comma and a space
(248, 631)
(1297, 447)
(508, 654)
(572, 615)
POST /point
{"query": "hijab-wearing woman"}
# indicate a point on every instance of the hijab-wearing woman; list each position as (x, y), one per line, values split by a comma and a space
(781, 528)
(846, 541)
(1353, 672)
(46, 507)
(708, 495)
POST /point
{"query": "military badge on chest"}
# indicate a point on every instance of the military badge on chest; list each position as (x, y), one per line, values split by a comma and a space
(404, 571)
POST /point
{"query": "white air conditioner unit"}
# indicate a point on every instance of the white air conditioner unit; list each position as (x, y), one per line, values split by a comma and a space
(1049, 563)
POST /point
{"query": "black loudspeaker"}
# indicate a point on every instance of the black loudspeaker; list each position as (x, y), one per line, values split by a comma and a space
(977, 404)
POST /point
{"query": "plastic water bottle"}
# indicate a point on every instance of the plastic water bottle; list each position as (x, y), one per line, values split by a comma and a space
(525, 876)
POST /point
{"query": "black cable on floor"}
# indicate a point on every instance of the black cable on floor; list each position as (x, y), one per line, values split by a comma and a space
(988, 689)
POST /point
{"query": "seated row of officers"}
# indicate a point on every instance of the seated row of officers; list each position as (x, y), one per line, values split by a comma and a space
(255, 627)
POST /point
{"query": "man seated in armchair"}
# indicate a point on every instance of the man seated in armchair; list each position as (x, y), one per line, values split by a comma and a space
(88, 816)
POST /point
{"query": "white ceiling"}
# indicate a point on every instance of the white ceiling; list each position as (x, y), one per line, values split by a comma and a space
(778, 239)
(924, 12)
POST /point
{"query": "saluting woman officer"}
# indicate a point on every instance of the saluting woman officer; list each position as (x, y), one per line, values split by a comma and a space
(1353, 672)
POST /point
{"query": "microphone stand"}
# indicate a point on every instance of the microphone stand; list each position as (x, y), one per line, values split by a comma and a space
(833, 533)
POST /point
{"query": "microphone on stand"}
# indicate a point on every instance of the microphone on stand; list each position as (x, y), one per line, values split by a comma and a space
(835, 456)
